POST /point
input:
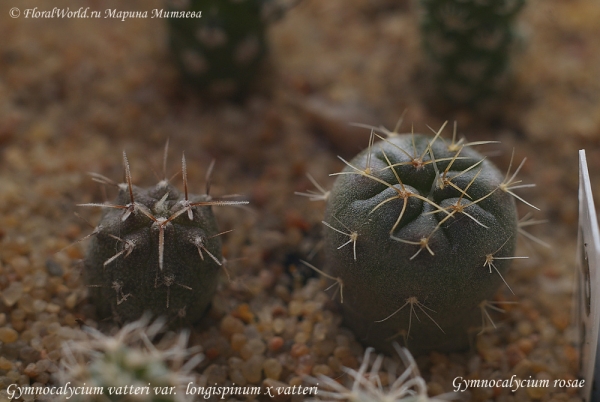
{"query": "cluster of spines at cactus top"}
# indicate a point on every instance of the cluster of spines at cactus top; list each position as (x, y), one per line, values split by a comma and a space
(398, 191)
(366, 385)
(105, 367)
(443, 180)
(183, 207)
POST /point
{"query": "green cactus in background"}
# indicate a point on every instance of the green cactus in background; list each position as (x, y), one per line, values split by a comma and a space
(222, 51)
(469, 43)
(419, 235)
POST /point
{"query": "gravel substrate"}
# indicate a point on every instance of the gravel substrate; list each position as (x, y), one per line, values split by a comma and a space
(75, 93)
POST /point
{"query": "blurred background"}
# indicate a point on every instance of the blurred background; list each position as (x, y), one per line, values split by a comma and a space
(75, 93)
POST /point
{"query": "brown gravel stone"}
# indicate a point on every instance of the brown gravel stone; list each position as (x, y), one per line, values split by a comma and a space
(299, 349)
(8, 335)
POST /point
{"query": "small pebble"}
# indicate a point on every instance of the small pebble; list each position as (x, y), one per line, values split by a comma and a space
(53, 328)
(29, 354)
(524, 328)
(18, 325)
(39, 306)
(278, 325)
(306, 326)
(295, 381)
(40, 279)
(53, 308)
(5, 364)
(514, 354)
(342, 351)
(525, 345)
(435, 388)
(235, 362)
(54, 268)
(548, 333)
(299, 349)
(305, 364)
(236, 376)
(321, 369)
(26, 304)
(17, 315)
(301, 337)
(212, 353)
(282, 292)
(310, 307)
(349, 361)
(12, 294)
(342, 340)
(13, 375)
(252, 369)
(256, 346)
(334, 363)
(492, 354)
(324, 348)
(54, 355)
(31, 370)
(244, 313)
(275, 343)
(319, 332)
(272, 368)
(71, 301)
(215, 374)
(42, 377)
(238, 341)
(561, 320)
(8, 335)
(20, 264)
(251, 332)
(295, 308)
(231, 325)
(43, 365)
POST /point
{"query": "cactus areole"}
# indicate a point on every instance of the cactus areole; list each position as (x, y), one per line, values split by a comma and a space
(432, 232)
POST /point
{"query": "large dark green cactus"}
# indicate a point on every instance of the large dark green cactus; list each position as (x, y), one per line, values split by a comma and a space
(420, 234)
(221, 52)
(468, 43)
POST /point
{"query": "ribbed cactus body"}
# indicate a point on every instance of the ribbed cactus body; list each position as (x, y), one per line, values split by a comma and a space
(155, 250)
(180, 287)
(427, 218)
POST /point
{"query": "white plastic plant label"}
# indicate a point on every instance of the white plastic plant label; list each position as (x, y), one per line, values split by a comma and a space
(587, 295)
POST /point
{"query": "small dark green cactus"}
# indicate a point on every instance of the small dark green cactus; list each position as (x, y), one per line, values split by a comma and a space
(156, 249)
(419, 234)
(221, 52)
(468, 42)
